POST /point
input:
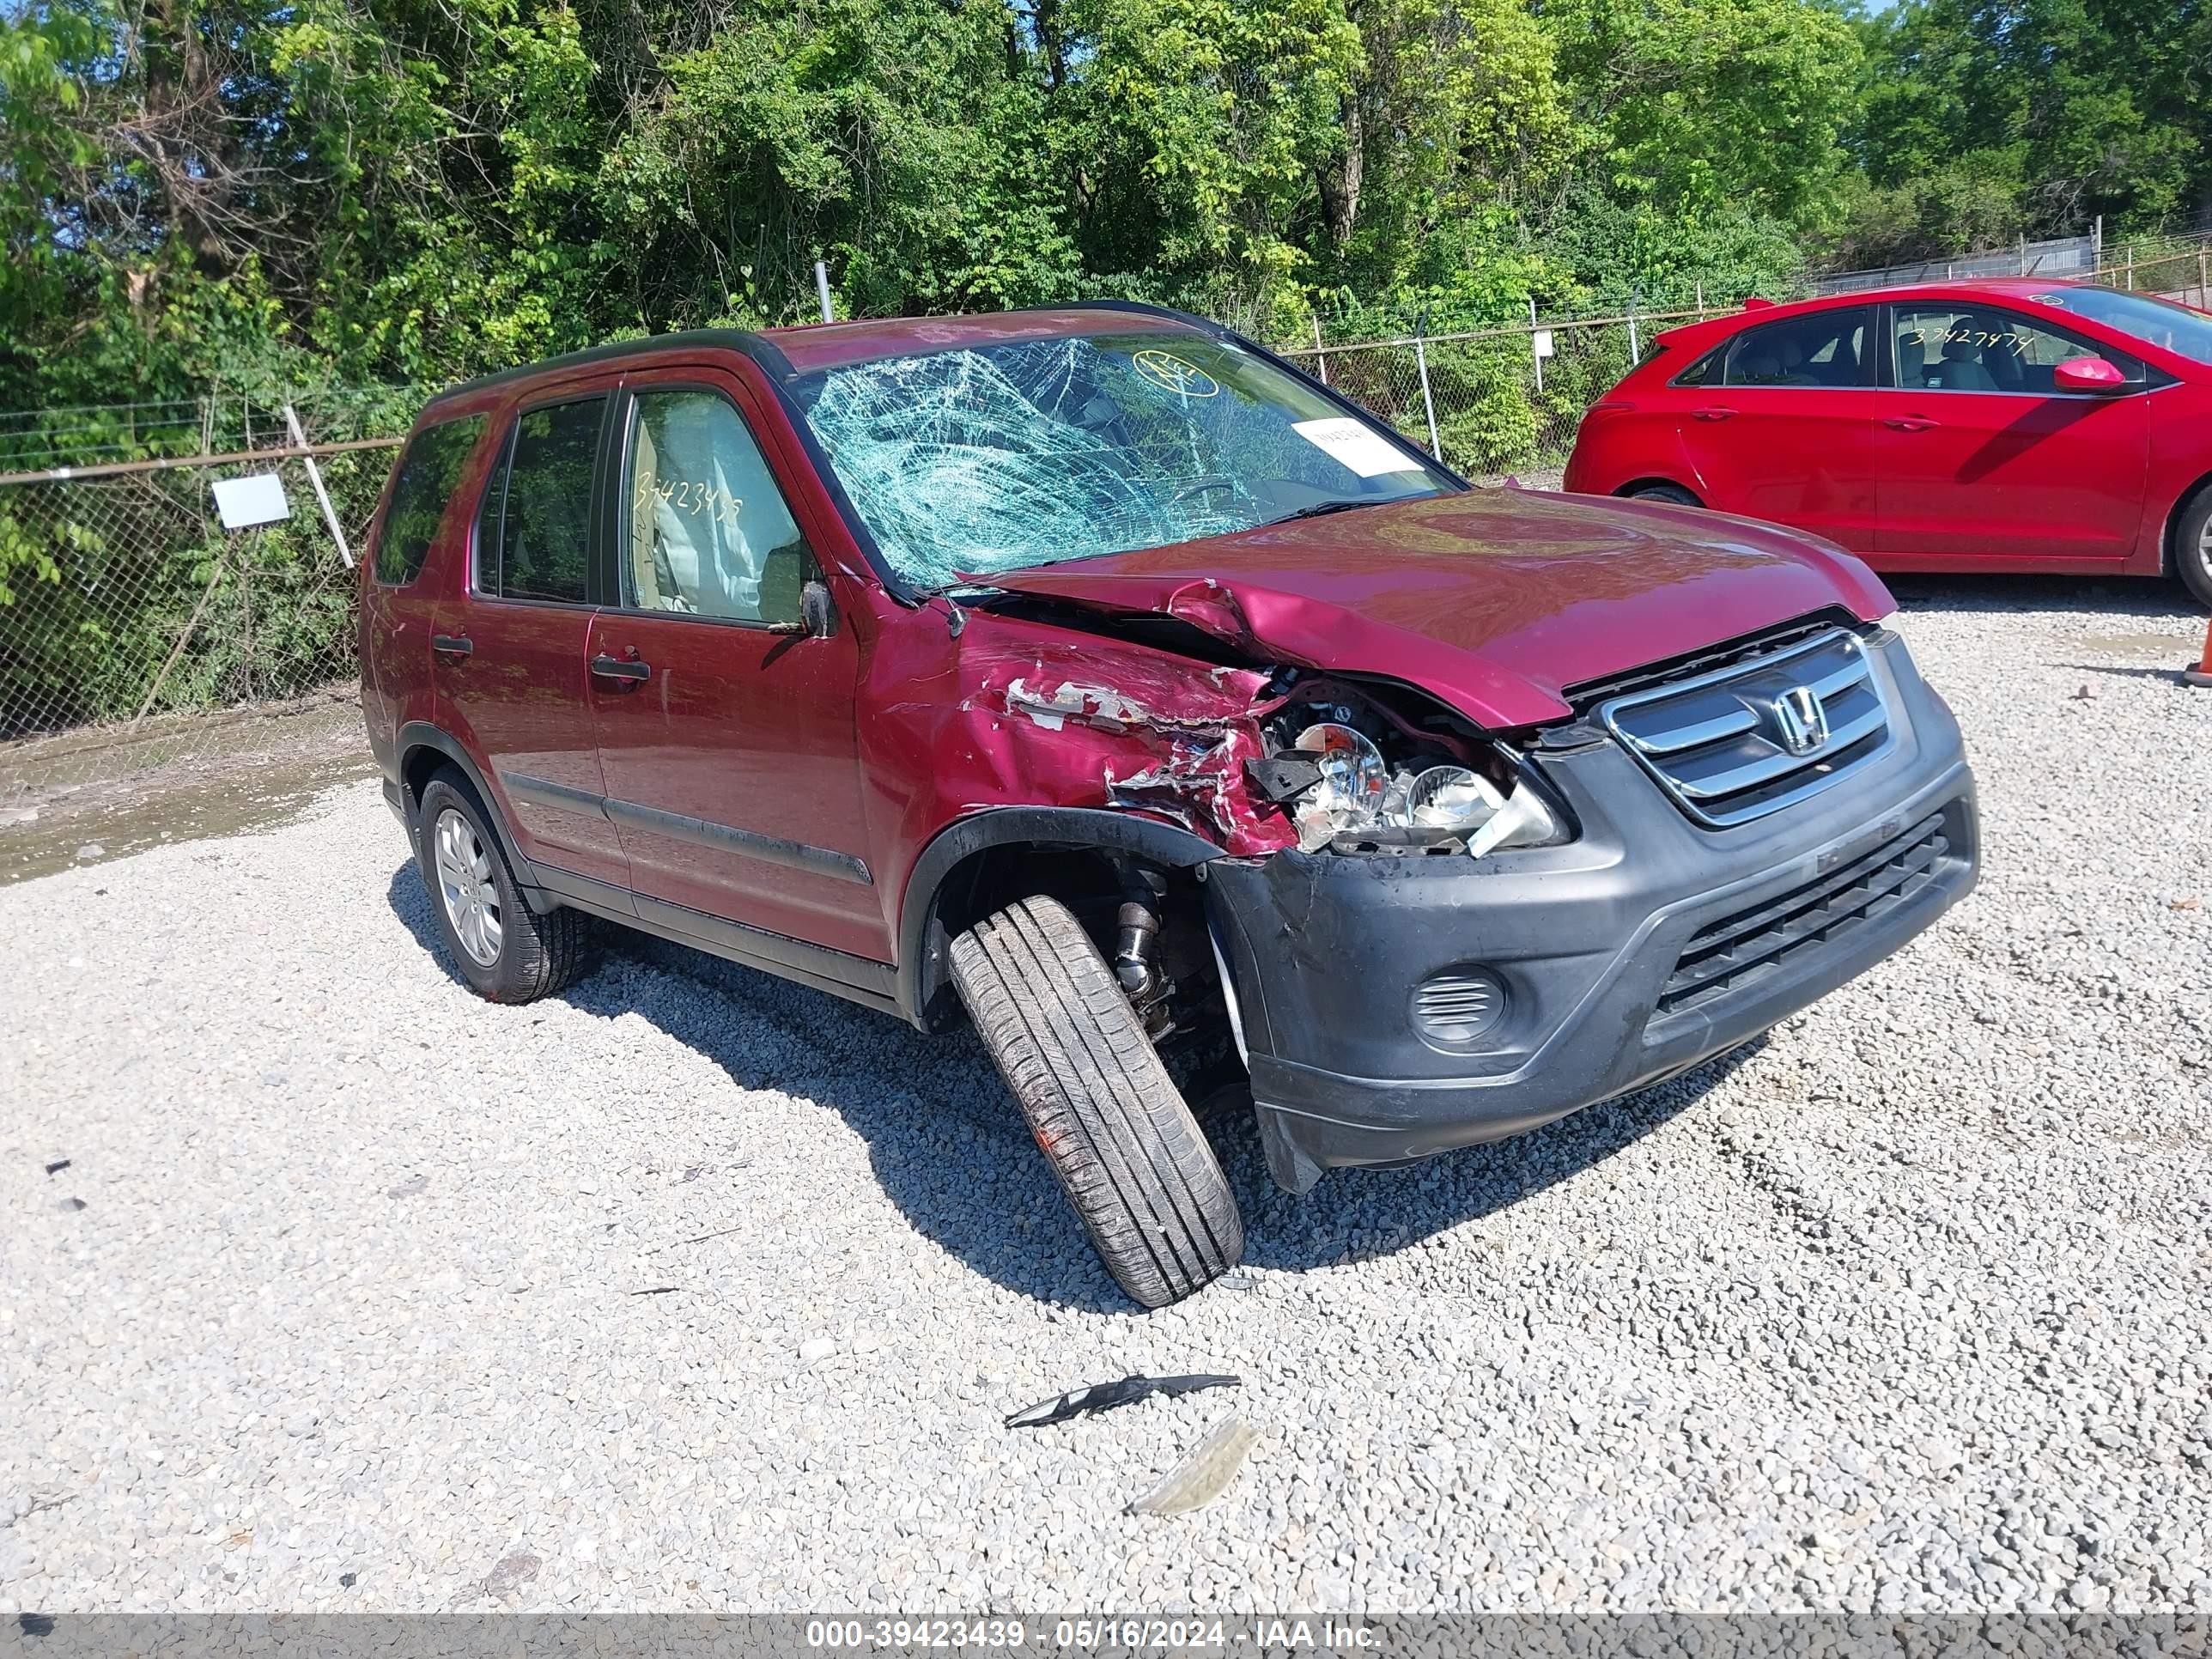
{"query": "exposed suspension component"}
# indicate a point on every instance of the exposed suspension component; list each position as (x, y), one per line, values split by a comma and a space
(1137, 949)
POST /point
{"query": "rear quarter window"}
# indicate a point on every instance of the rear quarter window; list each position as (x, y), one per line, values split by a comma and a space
(429, 472)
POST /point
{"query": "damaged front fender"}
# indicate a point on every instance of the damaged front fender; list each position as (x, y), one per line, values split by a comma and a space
(1108, 723)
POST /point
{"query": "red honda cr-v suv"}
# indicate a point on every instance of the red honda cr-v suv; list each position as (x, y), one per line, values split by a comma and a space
(1094, 672)
(1999, 426)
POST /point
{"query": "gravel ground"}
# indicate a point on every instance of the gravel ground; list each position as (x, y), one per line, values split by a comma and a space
(694, 1290)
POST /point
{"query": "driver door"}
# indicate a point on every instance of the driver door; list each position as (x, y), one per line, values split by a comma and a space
(726, 731)
(1978, 457)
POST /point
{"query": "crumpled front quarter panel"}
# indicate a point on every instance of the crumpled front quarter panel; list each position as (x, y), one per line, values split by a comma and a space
(1012, 713)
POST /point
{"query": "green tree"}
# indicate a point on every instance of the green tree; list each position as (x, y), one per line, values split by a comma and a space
(1708, 105)
(2072, 108)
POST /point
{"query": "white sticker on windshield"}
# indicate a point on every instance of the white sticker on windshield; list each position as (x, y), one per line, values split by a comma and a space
(1352, 444)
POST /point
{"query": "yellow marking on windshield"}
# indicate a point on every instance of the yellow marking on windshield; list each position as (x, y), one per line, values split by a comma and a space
(1178, 375)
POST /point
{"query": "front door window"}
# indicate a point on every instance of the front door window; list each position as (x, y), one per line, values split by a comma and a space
(1953, 348)
(708, 532)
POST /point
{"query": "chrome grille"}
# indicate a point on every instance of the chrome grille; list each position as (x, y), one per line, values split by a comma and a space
(1759, 734)
(1728, 954)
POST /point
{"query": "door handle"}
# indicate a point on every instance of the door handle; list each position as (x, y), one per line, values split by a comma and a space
(1714, 412)
(452, 644)
(1910, 422)
(621, 668)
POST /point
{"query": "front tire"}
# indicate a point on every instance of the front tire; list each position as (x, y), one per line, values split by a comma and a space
(2192, 546)
(505, 951)
(1665, 492)
(1110, 1122)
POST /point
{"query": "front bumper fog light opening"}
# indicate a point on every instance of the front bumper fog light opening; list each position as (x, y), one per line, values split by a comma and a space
(1457, 1008)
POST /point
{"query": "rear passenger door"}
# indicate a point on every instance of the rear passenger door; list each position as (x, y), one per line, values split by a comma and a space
(400, 605)
(511, 654)
(725, 729)
(1779, 424)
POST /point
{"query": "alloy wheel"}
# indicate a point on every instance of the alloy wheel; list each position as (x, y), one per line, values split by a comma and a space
(466, 888)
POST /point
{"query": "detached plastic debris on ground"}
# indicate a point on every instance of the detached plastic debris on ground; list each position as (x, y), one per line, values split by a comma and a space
(1205, 1474)
(1105, 1396)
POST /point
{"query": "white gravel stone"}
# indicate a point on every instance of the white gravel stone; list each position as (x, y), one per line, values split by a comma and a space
(1903, 1309)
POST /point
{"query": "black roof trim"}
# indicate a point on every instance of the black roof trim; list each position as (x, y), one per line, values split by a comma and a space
(650, 345)
(764, 351)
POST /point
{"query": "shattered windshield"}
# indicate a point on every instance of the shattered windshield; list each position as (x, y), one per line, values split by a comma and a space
(968, 462)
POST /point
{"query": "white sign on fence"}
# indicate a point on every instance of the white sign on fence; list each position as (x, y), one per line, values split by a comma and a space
(256, 499)
(1540, 342)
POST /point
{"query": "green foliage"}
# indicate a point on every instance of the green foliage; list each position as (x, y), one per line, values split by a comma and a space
(1704, 104)
(2029, 116)
(205, 192)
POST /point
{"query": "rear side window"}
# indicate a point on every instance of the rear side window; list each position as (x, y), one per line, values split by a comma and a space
(1821, 349)
(534, 532)
(428, 474)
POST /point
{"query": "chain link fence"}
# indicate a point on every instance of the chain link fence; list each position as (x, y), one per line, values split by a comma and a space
(2172, 269)
(130, 617)
(1493, 404)
(2074, 259)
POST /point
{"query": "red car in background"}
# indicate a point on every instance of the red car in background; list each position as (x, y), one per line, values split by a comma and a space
(2004, 426)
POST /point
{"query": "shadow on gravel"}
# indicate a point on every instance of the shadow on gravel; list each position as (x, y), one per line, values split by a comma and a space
(2171, 676)
(2132, 596)
(952, 1151)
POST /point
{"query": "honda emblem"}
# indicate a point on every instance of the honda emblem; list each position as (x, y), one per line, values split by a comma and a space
(1800, 720)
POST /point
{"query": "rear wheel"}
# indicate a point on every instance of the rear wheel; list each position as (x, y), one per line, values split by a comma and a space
(1111, 1123)
(504, 950)
(1664, 492)
(2192, 546)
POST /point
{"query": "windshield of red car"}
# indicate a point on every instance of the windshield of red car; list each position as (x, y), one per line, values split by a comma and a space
(2159, 322)
(975, 461)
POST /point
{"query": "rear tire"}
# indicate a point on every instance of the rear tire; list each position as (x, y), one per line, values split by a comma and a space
(503, 949)
(2192, 546)
(1664, 492)
(1117, 1133)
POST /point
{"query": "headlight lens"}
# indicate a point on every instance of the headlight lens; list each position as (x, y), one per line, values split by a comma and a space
(1451, 797)
(1357, 792)
(1353, 775)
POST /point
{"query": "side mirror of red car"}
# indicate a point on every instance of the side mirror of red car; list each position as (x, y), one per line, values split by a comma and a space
(817, 614)
(2088, 374)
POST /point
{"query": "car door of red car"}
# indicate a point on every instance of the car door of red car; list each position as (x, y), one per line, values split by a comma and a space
(404, 589)
(510, 650)
(726, 728)
(1979, 457)
(1778, 423)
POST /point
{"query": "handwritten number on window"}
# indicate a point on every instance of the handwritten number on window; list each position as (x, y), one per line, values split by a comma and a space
(688, 495)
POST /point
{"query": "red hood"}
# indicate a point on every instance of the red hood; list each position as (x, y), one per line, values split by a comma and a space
(1493, 600)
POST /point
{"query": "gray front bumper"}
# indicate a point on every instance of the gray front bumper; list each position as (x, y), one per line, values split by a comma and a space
(1326, 952)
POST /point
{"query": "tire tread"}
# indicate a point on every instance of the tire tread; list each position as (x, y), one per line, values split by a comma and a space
(1117, 1132)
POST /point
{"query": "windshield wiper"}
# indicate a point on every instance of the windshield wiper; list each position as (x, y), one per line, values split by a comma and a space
(1319, 509)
